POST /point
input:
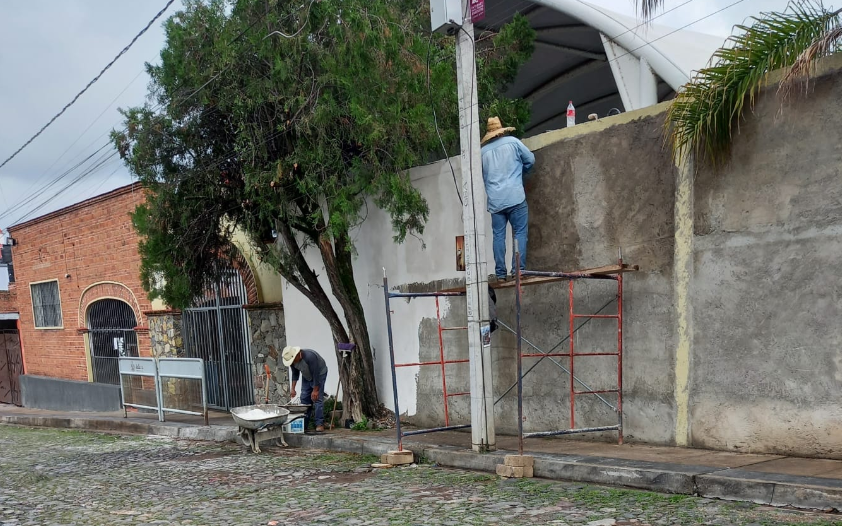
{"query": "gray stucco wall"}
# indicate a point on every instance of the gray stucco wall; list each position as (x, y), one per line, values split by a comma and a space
(589, 197)
(40, 392)
(765, 347)
(767, 293)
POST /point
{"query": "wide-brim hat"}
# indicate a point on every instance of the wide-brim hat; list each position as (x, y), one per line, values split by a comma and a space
(289, 354)
(494, 129)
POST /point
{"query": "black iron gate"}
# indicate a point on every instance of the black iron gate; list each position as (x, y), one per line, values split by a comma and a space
(216, 330)
(111, 335)
(11, 366)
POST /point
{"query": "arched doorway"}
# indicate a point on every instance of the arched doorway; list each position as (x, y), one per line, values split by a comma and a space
(111, 335)
(216, 330)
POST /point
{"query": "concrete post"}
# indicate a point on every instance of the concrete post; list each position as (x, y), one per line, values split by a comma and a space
(683, 277)
(474, 218)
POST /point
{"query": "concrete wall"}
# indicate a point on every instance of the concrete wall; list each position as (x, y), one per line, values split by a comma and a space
(767, 293)
(731, 340)
(40, 392)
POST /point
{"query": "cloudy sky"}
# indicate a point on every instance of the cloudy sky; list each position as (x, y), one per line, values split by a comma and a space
(52, 48)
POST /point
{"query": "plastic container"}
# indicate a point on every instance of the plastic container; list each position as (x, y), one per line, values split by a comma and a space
(571, 115)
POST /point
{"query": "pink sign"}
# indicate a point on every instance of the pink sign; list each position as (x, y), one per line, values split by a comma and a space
(477, 10)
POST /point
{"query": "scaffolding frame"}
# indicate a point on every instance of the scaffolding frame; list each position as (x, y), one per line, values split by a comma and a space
(609, 272)
(441, 362)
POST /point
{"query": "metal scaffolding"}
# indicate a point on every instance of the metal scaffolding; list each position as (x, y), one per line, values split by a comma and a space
(614, 273)
(441, 362)
(522, 278)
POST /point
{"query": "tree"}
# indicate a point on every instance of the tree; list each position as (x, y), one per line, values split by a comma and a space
(282, 120)
(701, 119)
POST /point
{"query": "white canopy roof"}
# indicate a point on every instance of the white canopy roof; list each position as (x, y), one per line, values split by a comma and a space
(597, 58)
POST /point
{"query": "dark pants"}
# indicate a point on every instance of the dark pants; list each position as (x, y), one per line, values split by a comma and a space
(317, 407)
(518, 217)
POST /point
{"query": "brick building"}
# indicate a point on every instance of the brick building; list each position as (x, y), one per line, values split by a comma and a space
(81, 306)
(70, 265)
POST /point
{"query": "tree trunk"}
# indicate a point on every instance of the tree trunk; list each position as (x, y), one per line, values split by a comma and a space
(356, 372)
(357, 375)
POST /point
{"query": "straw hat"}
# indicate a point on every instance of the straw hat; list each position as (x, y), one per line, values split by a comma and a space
(494, 129)
(289, 355)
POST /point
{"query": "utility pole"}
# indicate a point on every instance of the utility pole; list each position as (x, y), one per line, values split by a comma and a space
(476, 276)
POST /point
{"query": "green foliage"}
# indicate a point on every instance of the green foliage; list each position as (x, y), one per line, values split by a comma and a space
(287, 117)
(701, 120)
(362, 425)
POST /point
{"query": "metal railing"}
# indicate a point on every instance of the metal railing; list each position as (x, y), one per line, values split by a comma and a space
(142, 382)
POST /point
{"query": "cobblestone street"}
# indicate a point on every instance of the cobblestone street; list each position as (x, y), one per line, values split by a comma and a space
(52, 477)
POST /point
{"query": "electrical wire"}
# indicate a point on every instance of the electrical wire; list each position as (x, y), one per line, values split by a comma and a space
(436, 122)
(31, 197)
(91, 83)
(650, 42)
(82, 134)
(99, 163)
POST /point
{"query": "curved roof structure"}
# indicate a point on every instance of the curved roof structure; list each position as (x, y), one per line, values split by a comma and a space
(596, 58)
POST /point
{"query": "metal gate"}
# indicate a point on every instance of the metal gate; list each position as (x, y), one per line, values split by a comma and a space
(111, 335)
(216, 330)
(11, 366)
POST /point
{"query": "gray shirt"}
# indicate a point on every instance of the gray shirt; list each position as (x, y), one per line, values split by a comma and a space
(310, 361)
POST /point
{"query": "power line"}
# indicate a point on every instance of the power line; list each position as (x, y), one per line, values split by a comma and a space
(91, 83)
(206, 111)
(82, 134)
(99, 163)
(30, 198)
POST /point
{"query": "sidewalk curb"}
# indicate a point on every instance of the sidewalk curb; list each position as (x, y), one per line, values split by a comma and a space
(703, 481)
(201, 433)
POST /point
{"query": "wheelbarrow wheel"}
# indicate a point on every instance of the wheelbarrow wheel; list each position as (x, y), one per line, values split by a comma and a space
(247, 436)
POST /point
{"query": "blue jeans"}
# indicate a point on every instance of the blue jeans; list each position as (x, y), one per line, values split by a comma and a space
(518, 217)
(317, 407)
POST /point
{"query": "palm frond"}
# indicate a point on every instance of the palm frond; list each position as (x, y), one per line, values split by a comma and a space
(702, 117)
(646, 8)
(804, 66)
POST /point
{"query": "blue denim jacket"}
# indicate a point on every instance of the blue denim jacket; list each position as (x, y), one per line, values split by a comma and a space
(506, 162)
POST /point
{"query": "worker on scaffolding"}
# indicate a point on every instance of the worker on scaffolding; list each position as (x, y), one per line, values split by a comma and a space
(307, 364)
(506, 162)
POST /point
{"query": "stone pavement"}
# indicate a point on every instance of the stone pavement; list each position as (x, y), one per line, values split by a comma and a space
(762, 479)
(65, 478)
(221, 429)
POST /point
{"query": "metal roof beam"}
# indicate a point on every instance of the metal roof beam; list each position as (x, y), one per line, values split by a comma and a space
(584, 53)
(570, 74)
(563, 28)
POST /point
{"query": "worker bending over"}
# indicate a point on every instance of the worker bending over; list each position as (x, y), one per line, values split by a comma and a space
(312, 368)
(506, 162)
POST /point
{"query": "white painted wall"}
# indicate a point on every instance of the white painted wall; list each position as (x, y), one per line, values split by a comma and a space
(407, 263)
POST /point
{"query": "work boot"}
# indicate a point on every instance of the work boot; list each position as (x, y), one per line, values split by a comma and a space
(320, 429)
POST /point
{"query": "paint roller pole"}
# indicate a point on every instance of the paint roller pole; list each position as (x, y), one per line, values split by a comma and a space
(476, 275)
(392, 360)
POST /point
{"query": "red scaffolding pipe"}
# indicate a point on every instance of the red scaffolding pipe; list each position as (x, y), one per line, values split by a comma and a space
(441, 362)
(571, 355)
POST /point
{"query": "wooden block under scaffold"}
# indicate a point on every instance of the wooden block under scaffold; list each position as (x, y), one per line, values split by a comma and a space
(397, 458)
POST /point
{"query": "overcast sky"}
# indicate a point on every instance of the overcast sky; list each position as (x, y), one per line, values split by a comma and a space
(52, 48)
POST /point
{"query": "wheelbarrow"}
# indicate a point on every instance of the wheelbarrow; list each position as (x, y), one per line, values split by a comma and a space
(261, 423)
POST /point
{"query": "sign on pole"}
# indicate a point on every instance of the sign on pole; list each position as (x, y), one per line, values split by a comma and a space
(477, 10)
